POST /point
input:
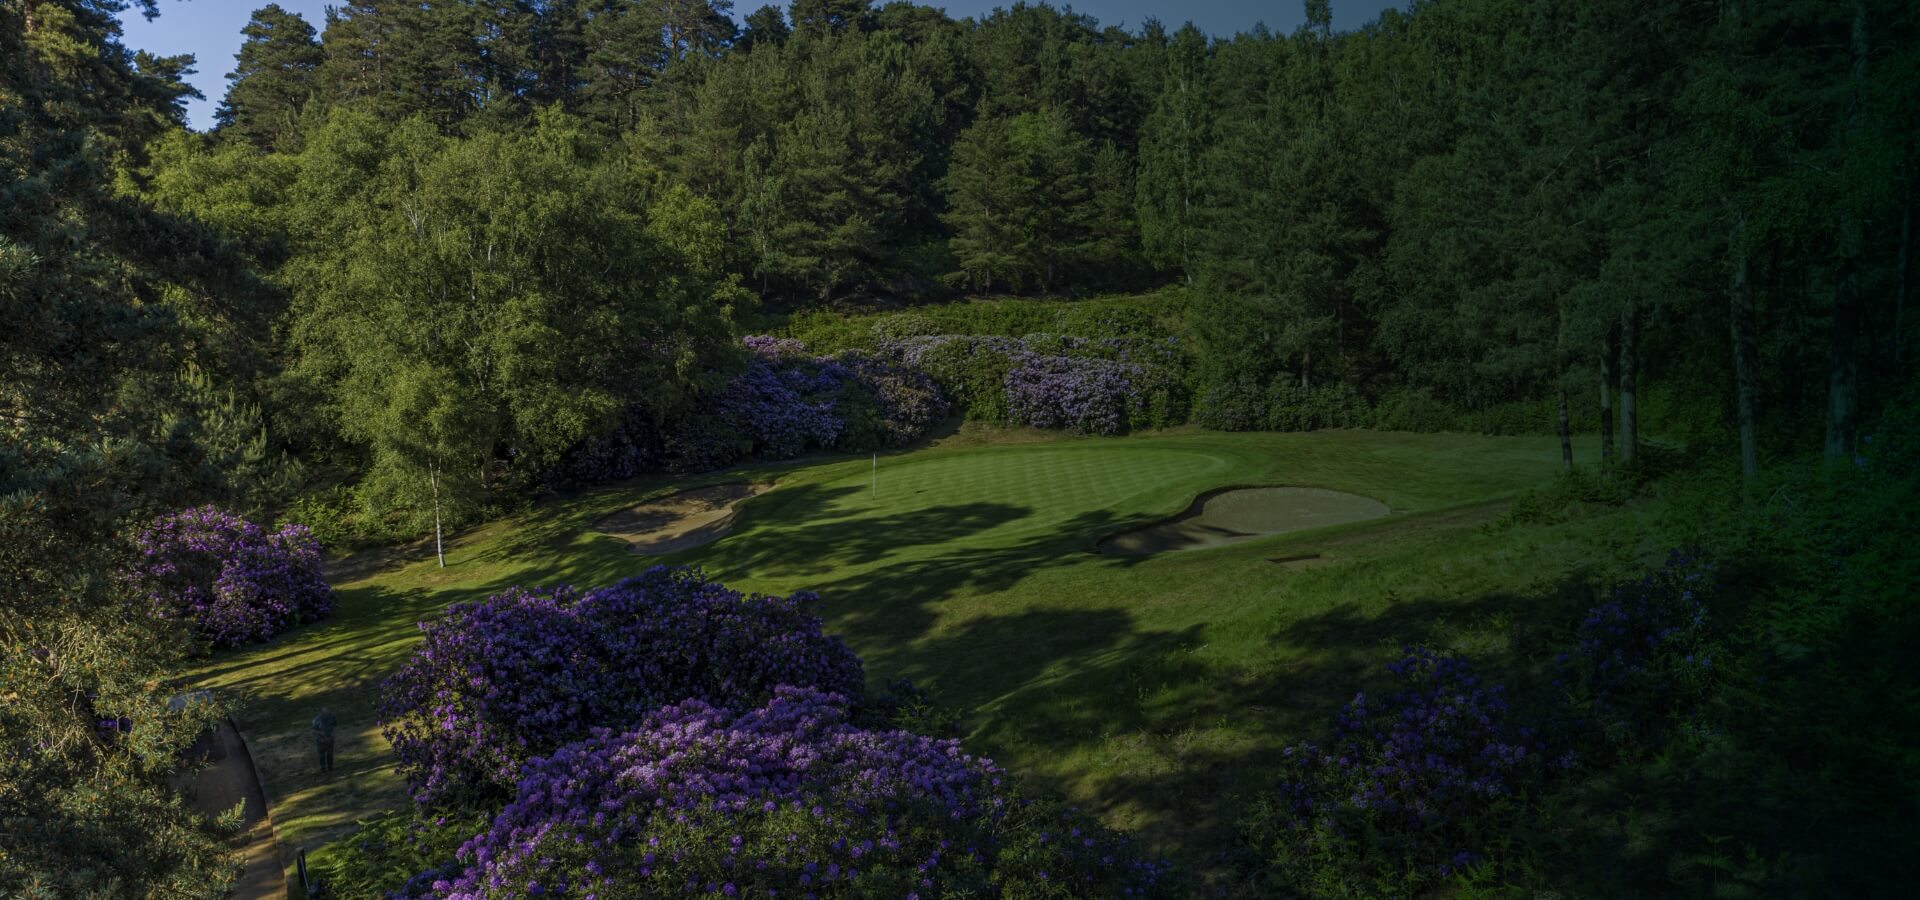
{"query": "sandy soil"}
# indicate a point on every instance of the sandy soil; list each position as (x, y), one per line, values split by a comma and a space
(229, 778)
(1238, 514)
(679, 521)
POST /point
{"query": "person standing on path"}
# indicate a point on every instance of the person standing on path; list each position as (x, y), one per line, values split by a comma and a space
(323, 737)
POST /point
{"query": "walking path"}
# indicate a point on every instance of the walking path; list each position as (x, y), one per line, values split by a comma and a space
(228, 779)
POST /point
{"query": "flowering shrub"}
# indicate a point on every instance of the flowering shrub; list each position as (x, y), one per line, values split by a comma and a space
(1053, 381)
(230, 580)
(768, 347)
(1646, 654)
(786, 799)
(784, 408)
(1393, 799)
(972, 369)
(526, 671)
(1092, 396)
(785, 403)
(631, 449)
(888, 405)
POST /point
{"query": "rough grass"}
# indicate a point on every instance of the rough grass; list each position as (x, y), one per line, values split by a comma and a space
(1154, 691)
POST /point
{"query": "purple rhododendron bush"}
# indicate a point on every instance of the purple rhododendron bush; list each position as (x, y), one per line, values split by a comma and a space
(526, 671)
(1051, 381)
(786, 799)
(230, 580)
(785, 403)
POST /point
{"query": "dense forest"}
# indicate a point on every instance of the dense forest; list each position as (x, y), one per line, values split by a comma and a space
(435, 258)
(1476, 201)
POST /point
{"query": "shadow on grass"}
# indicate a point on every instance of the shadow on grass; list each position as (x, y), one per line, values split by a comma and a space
(1140, 724)
(1144, 730)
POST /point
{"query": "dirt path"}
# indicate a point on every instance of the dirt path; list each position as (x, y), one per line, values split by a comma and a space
(228, 779)
(679, 521)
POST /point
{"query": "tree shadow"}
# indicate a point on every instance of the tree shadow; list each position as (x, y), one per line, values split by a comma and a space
(1146, 731)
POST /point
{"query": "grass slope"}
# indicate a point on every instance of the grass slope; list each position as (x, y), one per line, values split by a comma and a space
(1152, 690)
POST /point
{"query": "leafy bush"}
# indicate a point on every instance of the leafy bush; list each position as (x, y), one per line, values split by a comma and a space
(1409, 409)
(523, 672)
(1282, 405)
(886, 405)
(633, 448)
(1645, 657)
(972, 369)
(1567, 493)
(1089, 396)
(783, 408)
(229, 579)
(1400, 796)
(785, 403)
(785, 799)
(1159, 314)
(394, 852)
(905, 706)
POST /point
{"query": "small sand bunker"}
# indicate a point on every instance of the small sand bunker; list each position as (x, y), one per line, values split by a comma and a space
(1239, 514)
(678, 521)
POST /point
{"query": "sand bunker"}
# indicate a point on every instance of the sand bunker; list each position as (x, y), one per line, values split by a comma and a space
(1232, 515)
(678, 521)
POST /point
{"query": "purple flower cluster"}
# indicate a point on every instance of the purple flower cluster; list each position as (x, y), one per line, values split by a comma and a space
(785, 403)
(783, 408)
(1107, 386)
(1084, 394)
(785, 799)
(1645, 652)
(523, 672)
(230, 580)
(774, 348)
(632, 449)
(1406, 775)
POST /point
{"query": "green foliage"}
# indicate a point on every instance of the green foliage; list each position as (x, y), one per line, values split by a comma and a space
(1282, 405)
(905, 706)
(1159, 314)
(463, 299)
(1020, 202)
(272, 80)
(1568, 496)
(125, 391)
(384, 852)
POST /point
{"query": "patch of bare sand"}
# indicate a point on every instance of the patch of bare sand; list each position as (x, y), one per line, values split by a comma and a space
(679, 521)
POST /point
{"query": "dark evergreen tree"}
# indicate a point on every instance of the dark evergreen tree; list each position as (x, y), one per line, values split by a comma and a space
(766, 25)
(272, 80)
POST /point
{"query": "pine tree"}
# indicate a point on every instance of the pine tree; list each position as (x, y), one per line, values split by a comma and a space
(272, 81)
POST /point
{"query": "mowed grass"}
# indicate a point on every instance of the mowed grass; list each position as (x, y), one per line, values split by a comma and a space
(1155, 691)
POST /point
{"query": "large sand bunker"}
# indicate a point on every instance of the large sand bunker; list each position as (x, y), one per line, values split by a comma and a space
(1232, 515)
(678, 521)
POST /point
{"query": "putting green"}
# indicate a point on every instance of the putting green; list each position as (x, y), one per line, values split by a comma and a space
(1232, 515)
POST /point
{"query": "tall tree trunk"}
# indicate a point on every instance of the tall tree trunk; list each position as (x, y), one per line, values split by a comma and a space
(1906, 278)
(1740, 324)
(1566, 433)
(1606, 400)
(439, 544)
(1629, 378)
(1843, 384)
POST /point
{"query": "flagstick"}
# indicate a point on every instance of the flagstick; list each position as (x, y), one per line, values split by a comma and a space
(876, 476)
